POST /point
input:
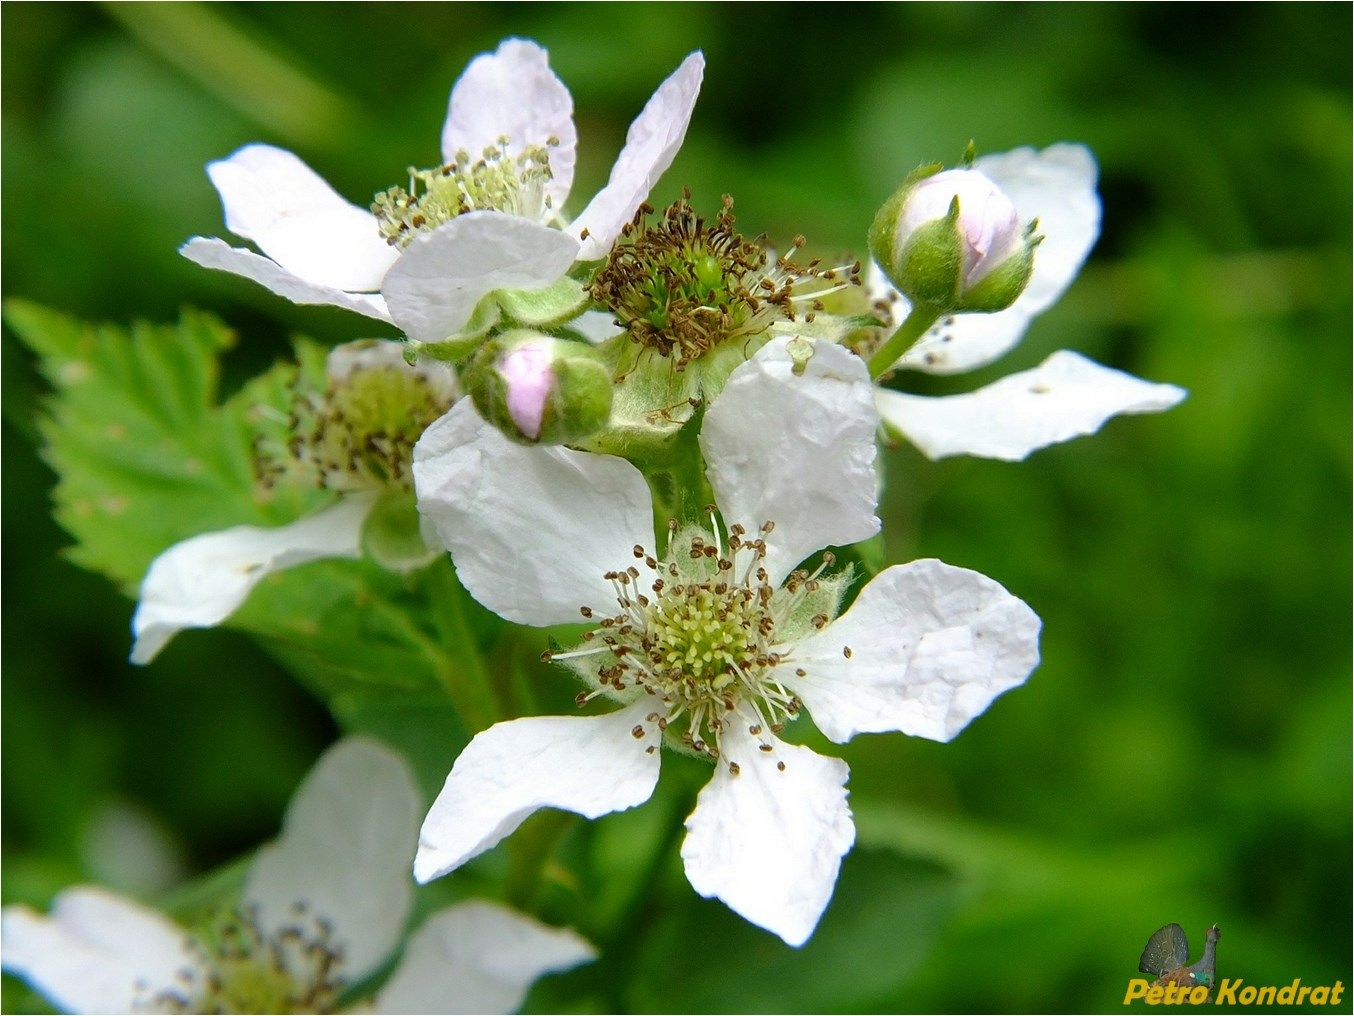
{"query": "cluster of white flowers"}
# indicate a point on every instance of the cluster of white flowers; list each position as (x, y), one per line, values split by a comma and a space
(711, 610)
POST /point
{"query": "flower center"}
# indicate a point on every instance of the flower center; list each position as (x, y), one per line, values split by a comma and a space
(242, 969)
(358, 435)
(683, 285)
(707, 638)
(495, 181)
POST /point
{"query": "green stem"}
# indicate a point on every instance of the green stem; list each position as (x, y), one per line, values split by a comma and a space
(921, 318)
(530, 851)
(463, 674)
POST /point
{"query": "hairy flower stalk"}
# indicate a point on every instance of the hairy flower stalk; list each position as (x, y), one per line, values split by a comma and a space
(684, 285)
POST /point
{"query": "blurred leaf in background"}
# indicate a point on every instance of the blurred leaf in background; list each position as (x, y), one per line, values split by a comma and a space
(1183, 753)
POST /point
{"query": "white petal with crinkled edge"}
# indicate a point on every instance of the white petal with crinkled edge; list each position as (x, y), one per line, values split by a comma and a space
(650, 146)
(532, 529)
(274, 199)
(931, 646)
(433, 289)
(344, 854)
(478, 957)
(798, 450)
(210, 252)
(1057, 187)
(769, 841)
(200, 582)
(1066, 396)
(591, 765)
(96, 953)
(513, 93)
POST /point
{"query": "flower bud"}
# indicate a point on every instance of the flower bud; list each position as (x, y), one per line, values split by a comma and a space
(953, 240)
(540, 390)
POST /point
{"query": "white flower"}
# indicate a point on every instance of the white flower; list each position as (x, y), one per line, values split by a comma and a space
(1064, 397)
(201, 581)
(324, 907)
(723, 636)
(489, 219)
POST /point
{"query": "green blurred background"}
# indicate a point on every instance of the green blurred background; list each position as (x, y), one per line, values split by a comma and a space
(1182, 754)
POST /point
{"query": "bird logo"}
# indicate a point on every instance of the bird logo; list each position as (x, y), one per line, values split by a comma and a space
(1167, 958)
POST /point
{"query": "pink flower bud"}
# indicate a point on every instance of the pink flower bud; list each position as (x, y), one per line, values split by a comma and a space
(988, 221)
(526, 369)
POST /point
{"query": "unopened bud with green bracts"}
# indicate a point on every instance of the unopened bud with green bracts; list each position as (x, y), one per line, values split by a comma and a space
(540, 390)
(950, 239)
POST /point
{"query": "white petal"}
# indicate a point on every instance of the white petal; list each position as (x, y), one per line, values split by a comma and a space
(769, 841)
(931, 647)
(513, 93)
(532, 529)
(650, 146)
(798, 450)
(1056, 186)
(215, 253)
(591, 765)
(596, 325)
(298, 220)
(97, 953)
(344, 853)
(200, 582)
(478, 957)
(1066, 396)
(442, 275)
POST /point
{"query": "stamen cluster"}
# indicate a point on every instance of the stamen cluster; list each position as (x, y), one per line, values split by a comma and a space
(357, 435)
(495, 181)
(706, 638)
(243, 969)
(683, 285)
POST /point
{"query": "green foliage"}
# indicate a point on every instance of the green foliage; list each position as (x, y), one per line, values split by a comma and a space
(145, 454)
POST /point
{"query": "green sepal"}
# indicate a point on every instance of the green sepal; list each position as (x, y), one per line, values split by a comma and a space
(1002, 286)
(553, 305)
(651, 401)
(930, 267)
(455, 348)
(883, 232)
(391, 534)
(825, 600)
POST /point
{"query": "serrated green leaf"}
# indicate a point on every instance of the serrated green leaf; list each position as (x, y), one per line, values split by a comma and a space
(144, 454)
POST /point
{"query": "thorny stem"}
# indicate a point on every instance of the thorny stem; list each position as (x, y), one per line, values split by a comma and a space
(918, 320)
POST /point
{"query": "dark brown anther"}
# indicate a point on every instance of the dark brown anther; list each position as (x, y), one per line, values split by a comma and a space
(846, 651)
(638, 732)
